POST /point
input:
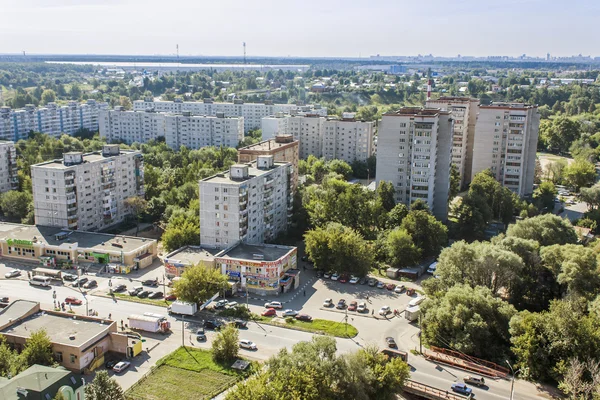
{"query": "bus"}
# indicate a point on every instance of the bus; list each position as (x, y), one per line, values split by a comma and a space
(39, 280)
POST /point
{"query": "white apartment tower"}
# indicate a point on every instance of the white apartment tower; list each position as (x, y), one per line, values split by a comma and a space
(464, 112)
(506, 136)
(87, 191)
(8, 167)
(413, 153)
(250, 203)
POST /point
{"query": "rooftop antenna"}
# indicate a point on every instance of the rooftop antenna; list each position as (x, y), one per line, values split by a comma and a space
(244, 52)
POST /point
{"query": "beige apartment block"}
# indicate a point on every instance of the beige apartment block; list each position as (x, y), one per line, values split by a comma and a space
(8, 167)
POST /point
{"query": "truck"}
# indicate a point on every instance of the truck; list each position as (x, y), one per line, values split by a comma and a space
(412, 313)
(148, 324)
(183, 308)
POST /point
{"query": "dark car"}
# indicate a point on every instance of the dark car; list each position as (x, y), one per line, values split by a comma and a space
(390, 342)
(119, 288)
(363, 281)
(240, 324)
(143, 294)
(135, 290)
(320, 274)
(150, 282)
(201, 335)
(4, 299)
(213, 324)
(155, 295)
(110, 364)
(90, 284)
(69, 277)
(80, 282)
(341, 304)
(304, 317)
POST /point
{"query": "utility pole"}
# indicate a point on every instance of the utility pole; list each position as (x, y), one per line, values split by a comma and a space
(420, 335)
(182, 330)
(512, 382)
(164, 289)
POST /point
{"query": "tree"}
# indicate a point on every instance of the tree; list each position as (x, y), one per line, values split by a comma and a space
(59, 396)
(545, 229)
(581, 379)
(544, 196)
(103, 387)
(137, 206)
(555, 171)
(182, 230)
(580, 173)
(75, 92)
(396, 215)
(469, 320)
(199, 283)
(454, 182)
(385, 194)
(401, 249)
(428, 234)
(48, 96)
(38, 350)
(14, 204)
(125, 102)
(225, 346)
(9, 360)
(591, 196)
(560, 133)
(340, 167)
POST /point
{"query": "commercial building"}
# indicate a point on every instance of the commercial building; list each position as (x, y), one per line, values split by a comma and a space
(283, 148)
(251, 202)
(178, 260)
(506, 136)
(52, 119)
(464, 113)
(185, 129)
(252, 112)
(87, 191)
(8, 167)
(60, 248)
(78, 342)
(413, 153)
(39, 382)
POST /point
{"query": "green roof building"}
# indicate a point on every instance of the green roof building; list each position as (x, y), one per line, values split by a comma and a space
(39, 382)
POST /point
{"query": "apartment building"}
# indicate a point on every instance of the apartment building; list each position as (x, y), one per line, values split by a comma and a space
(506, 136)
(185, 129)
(249, 203)
(87, 191)
(464, 112)
(52, 119)
(413, 153)
(252, 112)
(283, 148)
(8, 167)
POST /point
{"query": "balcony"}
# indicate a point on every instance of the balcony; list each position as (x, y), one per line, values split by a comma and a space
(69, 183)
(72, 223)
(72, 206)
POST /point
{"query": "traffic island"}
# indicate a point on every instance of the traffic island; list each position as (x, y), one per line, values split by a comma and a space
(320, 326)
(134, 299)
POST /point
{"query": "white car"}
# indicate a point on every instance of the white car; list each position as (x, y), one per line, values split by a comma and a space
(399, 289)
(431, 268)
(289, 313)
(274, 304)
(12, 273)
(354, 280)
(121, 366)
(327, 275)
(335, 277)
(221, 303)
(328, 303)
(247, 344)
(385, 310)
(362, 307)
(416, 301)
(232, 304)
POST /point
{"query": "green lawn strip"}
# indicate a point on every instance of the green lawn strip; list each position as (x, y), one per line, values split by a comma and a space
(322, 326)
(197, 360)
(135, 299)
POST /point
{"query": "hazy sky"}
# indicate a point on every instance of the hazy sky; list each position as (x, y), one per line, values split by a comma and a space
(301, 28)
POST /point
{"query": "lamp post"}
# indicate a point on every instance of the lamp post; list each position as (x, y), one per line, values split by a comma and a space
(512, 382)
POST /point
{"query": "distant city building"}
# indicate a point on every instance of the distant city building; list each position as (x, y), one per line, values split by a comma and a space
(87, 191)
(52, 119)
(185, 129)
(413, 153)
(252, 112)
(251, 202)
(506, 136)
(464, 112)
(8, 167)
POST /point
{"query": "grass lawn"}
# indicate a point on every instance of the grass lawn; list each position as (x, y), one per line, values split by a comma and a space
(323, 326)
(186, 373)
(135, 299)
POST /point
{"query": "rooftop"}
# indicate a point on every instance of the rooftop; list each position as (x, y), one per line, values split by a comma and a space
(37, 379)
(268, 145)
(15, 310)
(253, 172)
(96, 156)
(262, 252)
(416, 112)
(191, 255)
(455, 99)
(509, 105)
(55, 236)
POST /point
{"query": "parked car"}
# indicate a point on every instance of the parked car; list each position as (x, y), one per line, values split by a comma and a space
(135, 290)
(73, 300)
(362, 307)
(274, 304)
(335, 277)
(69, 277)
(343, 279)
(248, 345)
(416, 301)
(363, 281)
(240, 324)
(143, 294)
(221, 303)
(4, 299)
(399, 289)
(231, 304)
(390, 342)
(341, 304)
(372, 282)
(385, 310)
(90, 284)
(119, 288)
(110, 364)
(289, 313)
(12, 273)
(474, 380)
(150, 282)
(380, 285)
(121, 366)
(327, 275)
(155, 295)
(269, 312)
(213, 324)
(80, 282)
(170, 297)
(319, 274)
(353, 305)
(328, 303)
(200, 335)
(461, 388)
(354, 280)
(432, 267)
(390, 286)
(304, 317)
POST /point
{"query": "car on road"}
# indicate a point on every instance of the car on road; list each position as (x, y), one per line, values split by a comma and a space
(399, 289)
(170, 297)
(231, 304)
(341, 304)
(372, 282)
(110, 364)
(335, 277)
(69, 277)
(213, 324)
(353, 306)
(150, 282)
(327, 275)
(4, 299)
(135, 290)
(269, 312)
(474, 380)
(461, 388)
(12, 273)
(80, 282)
(221, 303)
(248, 345)
(240, 324)
(143, 294)
(274, 304)
(362, 307)
(155, 295)
(354, 279)
(380, 285)
(385, 310)
(201, 335)
(328, 303)
(390, 342)
(121, 366)
(73, 300)
(390, 286)
(289, 313)
(119, 288)
(432, 267)
(304, 317)
(90, 284)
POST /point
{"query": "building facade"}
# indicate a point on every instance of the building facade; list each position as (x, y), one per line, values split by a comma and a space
(506, 136)
(414, 147)
(52, 119)
(250, 203)
(8, 167)
(87, 191)
(464, 112)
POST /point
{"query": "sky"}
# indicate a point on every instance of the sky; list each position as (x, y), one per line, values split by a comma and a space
(305, 28)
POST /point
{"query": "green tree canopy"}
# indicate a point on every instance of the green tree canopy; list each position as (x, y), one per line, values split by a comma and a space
(575, 268)
(401, 250)
(199, 283)
(14, 204)
(544, 196)
(225, 346)
(103, 387)
(580, 173)
(38, 349)
(428, 234)
(545, 229)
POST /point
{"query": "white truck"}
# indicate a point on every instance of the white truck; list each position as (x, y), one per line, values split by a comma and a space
(148, 323)
(183, 308)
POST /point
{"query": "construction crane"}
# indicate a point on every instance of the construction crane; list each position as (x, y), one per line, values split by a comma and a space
(244, 52)
(177, 48)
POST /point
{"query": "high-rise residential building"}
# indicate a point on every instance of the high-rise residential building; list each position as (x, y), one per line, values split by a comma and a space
(87, 191)
(506, 136)
(283, 148)
(249, 203)
(8, 167)
(252, 112)
(52, 119)
(185, 129)
(413, 153)
(464, 112)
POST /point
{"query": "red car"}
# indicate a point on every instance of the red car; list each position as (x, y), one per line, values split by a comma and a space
(343, 279)
(269, 312)
(390, 286)
(304, 317)
(352, 306)
(171, 297)
(73, 300)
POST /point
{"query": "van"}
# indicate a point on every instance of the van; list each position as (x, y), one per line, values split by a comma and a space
(416, 301)
(474, 380)
(40, 281)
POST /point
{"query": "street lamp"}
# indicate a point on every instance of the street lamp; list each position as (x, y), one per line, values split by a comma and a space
(512, 382)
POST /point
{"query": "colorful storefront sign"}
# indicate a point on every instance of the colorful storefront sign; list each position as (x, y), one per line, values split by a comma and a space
(19, 242)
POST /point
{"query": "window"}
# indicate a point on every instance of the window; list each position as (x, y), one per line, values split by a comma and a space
(73, 358)
(59, 356)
